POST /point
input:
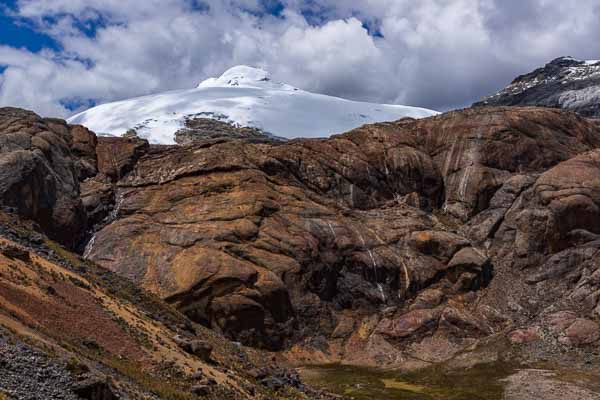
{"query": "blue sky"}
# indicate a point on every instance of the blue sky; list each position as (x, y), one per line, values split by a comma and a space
(61, 56)
(20, 33)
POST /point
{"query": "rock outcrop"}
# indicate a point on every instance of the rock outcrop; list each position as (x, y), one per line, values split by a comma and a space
(200, 129)
(42, 162)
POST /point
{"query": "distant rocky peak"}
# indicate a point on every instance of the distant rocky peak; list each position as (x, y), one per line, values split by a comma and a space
(569, 61)
(564, 82)
(562, 69)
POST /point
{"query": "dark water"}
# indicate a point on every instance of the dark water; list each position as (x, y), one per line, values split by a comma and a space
(482, 382)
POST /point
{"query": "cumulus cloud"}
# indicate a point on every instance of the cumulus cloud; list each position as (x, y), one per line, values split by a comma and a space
(431, 53)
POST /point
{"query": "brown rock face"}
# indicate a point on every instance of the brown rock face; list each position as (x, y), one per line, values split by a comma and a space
(42, 162)
(523, 336)
(272, 242)
(417, 237)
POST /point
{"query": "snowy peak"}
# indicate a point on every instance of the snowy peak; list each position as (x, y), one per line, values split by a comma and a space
(243, 97)
(240, 76)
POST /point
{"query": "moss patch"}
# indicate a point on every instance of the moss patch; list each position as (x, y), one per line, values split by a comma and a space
(482, 382)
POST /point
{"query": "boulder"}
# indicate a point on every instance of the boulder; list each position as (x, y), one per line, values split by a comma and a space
(201, 390)
(94, 388)
(460, 321)
(199, 348)
(15, 253)
(469, 269)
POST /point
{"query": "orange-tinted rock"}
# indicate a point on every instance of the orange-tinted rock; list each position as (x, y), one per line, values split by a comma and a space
(460, 321)
(117, 156)
(477, 150)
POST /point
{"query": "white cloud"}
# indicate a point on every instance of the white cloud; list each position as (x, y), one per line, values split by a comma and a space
(432, 53)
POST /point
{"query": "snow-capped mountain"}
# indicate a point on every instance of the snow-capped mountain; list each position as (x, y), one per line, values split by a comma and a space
(563, 83)
(243, 96)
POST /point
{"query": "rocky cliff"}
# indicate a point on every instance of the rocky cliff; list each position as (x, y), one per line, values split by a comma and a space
(563, 83)
(460, 238)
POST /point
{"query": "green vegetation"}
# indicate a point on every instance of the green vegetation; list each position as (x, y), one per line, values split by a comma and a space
(482, 382)
(64, 253)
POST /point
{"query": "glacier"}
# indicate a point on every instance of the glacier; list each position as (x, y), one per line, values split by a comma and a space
(243, 96)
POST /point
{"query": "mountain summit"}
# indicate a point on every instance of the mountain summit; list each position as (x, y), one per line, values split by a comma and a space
(243, 96)
(241, 75)
(562, 83)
